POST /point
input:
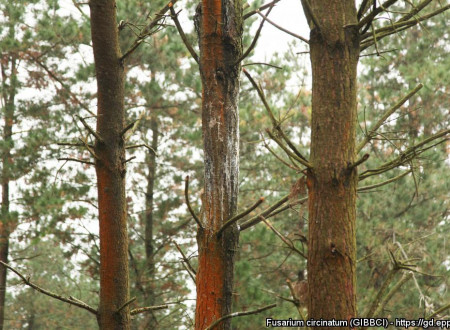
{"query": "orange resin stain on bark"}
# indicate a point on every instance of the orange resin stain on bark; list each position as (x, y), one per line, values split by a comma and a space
(209, 284)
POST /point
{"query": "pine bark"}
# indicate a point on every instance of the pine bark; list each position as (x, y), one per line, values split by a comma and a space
(334, 49)
(110, 167)
(219, 26)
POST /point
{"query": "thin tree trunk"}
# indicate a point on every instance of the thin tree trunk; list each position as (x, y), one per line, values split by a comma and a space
(110, 167)
(332, 182)
(7, 223)
(219, 26)
(149, 208)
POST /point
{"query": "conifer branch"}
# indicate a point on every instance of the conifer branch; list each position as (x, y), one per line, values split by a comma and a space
(147, 309)
(438, 311)
(287, 151)
(182, 34)
(131, 128)
(91, 130)
(385, 116)
(363, 8)
(186, 196)
(238, 314)
(70, 300)
(293, 167)
(239, 216)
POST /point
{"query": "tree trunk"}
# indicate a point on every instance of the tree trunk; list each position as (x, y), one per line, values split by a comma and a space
(332, 183)
(110, 167)
(149, 208)
(7, 224)
(219, 26)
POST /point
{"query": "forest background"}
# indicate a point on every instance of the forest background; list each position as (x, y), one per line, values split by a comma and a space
(49, 207)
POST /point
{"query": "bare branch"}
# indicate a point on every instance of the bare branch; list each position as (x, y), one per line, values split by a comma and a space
(186, 196)
(182, 34)
(407, 155)
(238, 314)
(185, 259)
(147, 309)
(147, 30)
(77, 160)
(298, 156)
(134, 146)
(129, 130)
(438, 311)
(253, 12)
(70, 300)
(386, 115)
(126, 304)
(281, 28)
(369, 17)
(255, 39)
(394, 290)
(239, 216)
(90, 129)
(285, 240)
(358, 162)
(257, 218)
(310, 14)
(398, 27)
(398, 177)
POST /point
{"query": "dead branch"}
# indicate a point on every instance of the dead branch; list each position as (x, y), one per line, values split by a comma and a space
(366, 20)
(394, 290)
(147, 309)
(285, 240)
(134, 146)
(186, 196)
(126, 304)
(257, 218)
(297, 155)
(90, 129)
(77, 160)
(385, 116)
(147, 30)
(238, 314)
(407, 155)
(296, 300)
(186, 42)
(255, 39)
(365, 188)
(185, 259)
(281, 28)
(399, 26)
(239, 216)
(70, 300)
(358, 162)
(253, 12)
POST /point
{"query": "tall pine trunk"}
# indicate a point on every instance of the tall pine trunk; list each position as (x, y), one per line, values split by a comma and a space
(110, 167)
(149, 212)
(332, 182)
(219, 26)
(7, 224)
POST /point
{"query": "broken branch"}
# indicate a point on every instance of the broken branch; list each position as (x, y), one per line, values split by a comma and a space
(186, 195)
(239, 216)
